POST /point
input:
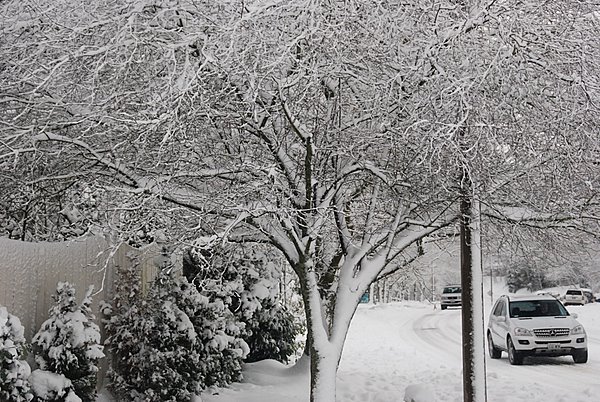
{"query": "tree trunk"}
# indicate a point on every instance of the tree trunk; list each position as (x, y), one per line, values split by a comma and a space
(326, 335)
(323, 372)
(323, 365)
(308, 343)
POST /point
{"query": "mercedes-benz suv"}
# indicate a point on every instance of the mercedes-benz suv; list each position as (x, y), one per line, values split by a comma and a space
(574, 296)
(535, 325)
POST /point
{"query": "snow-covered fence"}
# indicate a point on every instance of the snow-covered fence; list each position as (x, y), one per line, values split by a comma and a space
(29, 273)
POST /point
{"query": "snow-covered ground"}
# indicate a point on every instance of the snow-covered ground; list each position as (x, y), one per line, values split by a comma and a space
(394, 346)
(412, 345)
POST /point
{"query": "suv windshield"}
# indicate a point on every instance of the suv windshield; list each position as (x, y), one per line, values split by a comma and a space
(537, 308)
(452, 289)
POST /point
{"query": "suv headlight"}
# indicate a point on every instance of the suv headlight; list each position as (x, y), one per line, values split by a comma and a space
(522, 332)
(578, 330)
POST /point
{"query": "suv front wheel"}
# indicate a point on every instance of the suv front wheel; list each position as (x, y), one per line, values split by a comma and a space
(580, 356)
(514, 356)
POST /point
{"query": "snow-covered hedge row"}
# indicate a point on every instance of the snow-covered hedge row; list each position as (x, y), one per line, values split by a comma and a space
(66, 348)
(181, 337)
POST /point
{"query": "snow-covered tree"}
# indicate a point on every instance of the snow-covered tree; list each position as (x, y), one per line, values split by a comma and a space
(271, 333)
(155, 351)
(219, 347)
(14, 372)
(123, 328)
(68, 342)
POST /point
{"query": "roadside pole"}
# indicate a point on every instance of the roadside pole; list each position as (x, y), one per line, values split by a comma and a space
(473, 334)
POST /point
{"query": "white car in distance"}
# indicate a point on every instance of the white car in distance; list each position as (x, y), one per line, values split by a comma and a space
(535, 325)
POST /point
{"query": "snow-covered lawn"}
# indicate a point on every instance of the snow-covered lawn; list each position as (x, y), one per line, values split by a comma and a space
(394, 346)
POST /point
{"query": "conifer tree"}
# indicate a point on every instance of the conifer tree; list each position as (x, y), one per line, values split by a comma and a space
(68, 342)
(245, 283)
(14, 373)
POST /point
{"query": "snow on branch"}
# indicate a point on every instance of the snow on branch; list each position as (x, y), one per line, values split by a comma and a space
(382, 263)
(519, 214)
(379, 252)
(539, 220)
(200, 173)
(299, 128)
(98, 156)
(15, 153)
(178, 195)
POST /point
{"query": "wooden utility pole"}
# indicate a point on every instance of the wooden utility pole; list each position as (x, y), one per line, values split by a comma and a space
(473, 335)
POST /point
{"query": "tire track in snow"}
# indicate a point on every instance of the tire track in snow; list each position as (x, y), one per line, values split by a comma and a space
(440, 332)
(554, 369)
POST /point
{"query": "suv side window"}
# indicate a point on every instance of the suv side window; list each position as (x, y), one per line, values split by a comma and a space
(503, 310)
(499, 309)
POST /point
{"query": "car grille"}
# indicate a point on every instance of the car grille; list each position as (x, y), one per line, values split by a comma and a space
(551, 332)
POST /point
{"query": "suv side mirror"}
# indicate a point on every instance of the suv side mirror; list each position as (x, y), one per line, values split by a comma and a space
(574, 315)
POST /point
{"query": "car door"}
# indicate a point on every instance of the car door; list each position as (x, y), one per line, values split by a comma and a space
(499, 323)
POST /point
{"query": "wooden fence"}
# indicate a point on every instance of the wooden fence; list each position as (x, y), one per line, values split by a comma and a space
(29, 273)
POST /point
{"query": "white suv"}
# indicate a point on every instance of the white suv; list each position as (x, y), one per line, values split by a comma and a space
(536, 325)
(574, 296)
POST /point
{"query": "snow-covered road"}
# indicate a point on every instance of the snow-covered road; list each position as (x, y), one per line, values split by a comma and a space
(439, 333)
(393, 346)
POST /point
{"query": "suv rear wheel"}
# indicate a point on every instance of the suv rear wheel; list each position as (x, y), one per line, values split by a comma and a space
(495, 353)
(514, 357)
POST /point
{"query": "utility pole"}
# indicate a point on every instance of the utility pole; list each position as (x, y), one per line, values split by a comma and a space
(473, 334)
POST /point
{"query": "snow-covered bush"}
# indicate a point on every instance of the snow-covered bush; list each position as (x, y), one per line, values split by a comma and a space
(68, 343)
(271, 333)
(270, 329)
(247, 284)
(155, 344)
(51, 387)
(169, 344)
(125, 331)
(222, 331)
(14, 373)
(223, 348)
(121, 323)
